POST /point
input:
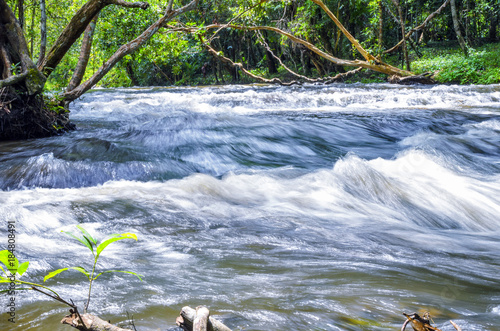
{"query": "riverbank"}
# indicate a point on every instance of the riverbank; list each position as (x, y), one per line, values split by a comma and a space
(453, 67)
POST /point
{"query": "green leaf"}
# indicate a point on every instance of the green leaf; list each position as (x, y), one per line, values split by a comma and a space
(58, 271)
(10, 263)
(86, 242)
(21, 269)
(123, 271)
(114, 237)
(85, 233)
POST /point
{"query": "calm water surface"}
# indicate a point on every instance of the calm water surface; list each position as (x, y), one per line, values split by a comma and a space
(302, 208)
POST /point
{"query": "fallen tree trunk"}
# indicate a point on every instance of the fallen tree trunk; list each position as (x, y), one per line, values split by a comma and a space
(425, 78)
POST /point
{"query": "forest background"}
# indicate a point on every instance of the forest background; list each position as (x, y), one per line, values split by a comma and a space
(174, 57)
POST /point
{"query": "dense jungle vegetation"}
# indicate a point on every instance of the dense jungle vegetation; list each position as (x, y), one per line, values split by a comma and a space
(178, 58)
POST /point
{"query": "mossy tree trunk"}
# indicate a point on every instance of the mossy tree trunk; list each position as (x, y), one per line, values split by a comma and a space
(22, 112)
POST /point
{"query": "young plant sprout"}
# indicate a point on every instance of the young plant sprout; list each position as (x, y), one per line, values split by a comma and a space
(96, 249)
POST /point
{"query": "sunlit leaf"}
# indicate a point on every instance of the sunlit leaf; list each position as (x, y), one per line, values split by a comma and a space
(10, 262)
(21, 269)
(86, 234)
(86, 242)
(114, 237)
(58, 271)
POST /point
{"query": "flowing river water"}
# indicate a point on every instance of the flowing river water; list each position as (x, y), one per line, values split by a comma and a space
(297, 208)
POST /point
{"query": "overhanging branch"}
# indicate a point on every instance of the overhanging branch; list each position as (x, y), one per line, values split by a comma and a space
(375, 66)
(76, 27)
(126, 49)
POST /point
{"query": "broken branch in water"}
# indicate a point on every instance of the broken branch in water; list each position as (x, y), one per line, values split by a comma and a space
(199, 320)
(90, 323)
(419, 323)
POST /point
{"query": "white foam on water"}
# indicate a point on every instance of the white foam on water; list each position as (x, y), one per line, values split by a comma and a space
(354, 191)
(253, 99)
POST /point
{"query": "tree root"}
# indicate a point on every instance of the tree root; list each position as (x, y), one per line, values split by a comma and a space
(24, 116)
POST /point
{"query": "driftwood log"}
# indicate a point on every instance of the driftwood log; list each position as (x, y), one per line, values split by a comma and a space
(199, 320)
(425, 78)
(92, 323)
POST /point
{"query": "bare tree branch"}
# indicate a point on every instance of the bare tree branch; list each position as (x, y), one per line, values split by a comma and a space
(378, 66)
(240, 66)
(361, 50)
(83, 59)
(422, 26)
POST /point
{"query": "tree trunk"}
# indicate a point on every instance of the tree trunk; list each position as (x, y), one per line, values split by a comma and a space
(304, 60)
(403, 33)
(456, 25)
(271, 64)
(43, 32)
(23, 113)
(130, 73)
(83, 59)
(20, 10)
(492, 31)
(380, 27)
(17, 48)
(32, 32)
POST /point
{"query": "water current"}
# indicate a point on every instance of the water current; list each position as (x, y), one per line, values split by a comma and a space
(279, 208)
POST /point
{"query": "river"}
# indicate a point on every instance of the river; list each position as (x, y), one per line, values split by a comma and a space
(280, 208)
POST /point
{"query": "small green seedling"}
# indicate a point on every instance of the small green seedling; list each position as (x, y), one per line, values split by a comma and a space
(87, 240)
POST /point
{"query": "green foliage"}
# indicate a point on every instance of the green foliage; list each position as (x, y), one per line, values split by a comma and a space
(11, 265)
(15, 69)
(177, 58)
(54, 103)
(480, 67)
(96, 249)
(12, 271)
